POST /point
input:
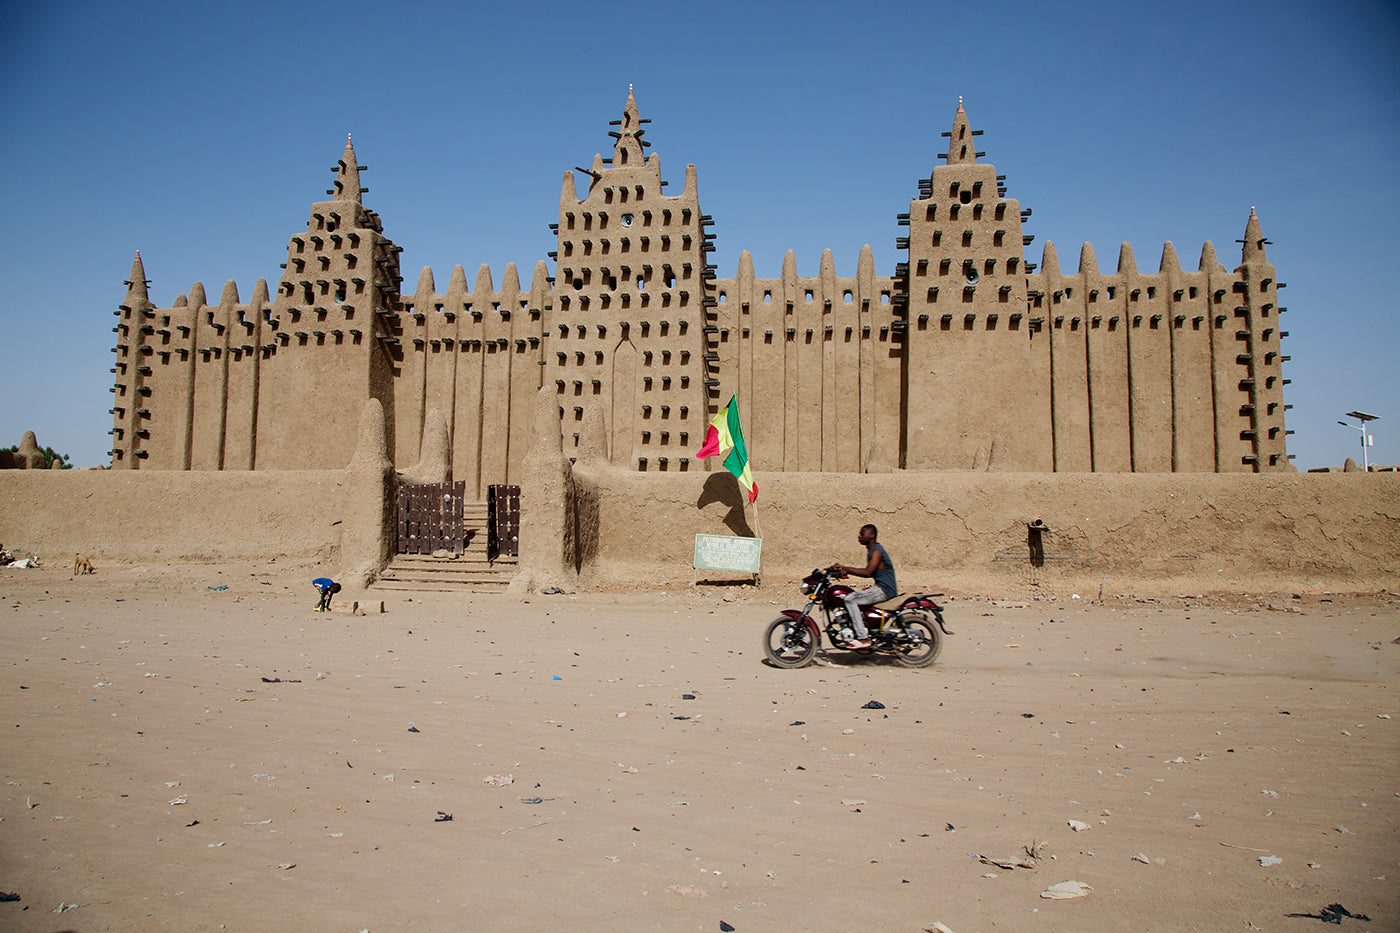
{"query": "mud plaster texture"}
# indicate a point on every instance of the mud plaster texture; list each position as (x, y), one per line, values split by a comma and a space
(596, 527)
(1169, 534)
(160, 515)
(179, 758)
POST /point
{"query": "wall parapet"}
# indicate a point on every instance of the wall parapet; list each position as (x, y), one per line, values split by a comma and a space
(1162, 534)
(173, 515)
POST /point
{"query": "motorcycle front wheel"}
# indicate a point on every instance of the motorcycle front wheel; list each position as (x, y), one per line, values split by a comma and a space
(926, 641)
(788, 644)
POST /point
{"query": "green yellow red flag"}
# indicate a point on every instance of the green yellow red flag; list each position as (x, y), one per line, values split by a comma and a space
(724, 434)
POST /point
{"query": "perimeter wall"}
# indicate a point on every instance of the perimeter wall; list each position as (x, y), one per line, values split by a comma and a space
(171, 515)
(1168, 534)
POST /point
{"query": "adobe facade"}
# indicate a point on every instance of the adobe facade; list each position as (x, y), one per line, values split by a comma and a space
(963, 357)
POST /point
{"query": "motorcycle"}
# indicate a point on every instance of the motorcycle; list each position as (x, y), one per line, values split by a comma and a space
(911, 632)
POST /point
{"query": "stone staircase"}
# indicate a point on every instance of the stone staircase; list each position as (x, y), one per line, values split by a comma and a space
(469, 572)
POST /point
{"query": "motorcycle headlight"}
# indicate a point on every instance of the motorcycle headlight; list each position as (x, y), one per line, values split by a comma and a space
(806, 589)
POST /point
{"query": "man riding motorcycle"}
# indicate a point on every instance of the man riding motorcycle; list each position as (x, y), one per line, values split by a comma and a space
(877, 566)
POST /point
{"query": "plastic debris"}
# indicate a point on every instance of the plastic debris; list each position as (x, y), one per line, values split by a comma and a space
(1079, 826)
(1009, 864)
(1267, 860)
(223, 586)
(499, 780)
(443, 817)
(873, 704)
(1333, 913)
(532, 800)
(1065, 890)
(179, 800)
(1141, 857)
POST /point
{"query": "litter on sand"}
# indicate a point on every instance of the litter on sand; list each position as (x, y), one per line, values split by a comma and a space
(1267, 860)
(1065, 890)
(1010, 864)
(1333, 913)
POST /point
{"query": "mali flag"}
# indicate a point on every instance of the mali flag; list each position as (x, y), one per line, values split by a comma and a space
(724, 434)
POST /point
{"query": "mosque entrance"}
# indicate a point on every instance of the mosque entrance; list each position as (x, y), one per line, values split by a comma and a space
(430, 518)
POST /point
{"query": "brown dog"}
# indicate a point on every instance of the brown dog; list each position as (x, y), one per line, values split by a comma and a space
(82, 565)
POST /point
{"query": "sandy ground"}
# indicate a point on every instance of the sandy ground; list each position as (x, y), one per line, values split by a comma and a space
(177, 757)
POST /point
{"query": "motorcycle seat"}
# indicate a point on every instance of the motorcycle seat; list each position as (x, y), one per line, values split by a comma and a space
(893, 602)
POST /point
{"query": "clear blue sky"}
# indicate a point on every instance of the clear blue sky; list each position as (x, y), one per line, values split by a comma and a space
(201, 133)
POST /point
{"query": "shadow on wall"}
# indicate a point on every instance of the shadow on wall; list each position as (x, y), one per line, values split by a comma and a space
(721, 487)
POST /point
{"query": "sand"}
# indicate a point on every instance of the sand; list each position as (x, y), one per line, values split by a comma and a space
(177, 757)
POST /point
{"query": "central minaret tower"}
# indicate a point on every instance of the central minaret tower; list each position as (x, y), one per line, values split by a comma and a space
(628, 332)
(975, 372)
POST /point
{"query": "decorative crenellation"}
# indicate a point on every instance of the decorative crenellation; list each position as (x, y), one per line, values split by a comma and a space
(966, 357)
(814, 361)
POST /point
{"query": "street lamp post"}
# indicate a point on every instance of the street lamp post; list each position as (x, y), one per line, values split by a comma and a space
(1366, 440)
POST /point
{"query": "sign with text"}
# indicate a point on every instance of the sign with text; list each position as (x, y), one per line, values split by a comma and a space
(721, 552)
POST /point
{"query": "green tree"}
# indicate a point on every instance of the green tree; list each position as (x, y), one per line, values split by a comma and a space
(50, 457)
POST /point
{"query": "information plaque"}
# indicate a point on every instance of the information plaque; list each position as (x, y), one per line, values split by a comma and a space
(721, 552)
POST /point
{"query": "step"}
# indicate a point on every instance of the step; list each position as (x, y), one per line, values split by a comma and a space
(425, 563)
(467, 573)
(415, 586)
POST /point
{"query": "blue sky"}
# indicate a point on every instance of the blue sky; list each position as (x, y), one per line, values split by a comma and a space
(200, 134)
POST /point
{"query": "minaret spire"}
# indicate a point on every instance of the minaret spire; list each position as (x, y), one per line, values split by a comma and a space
(961, 148)
(136, 285)
(629, 146)
(1253, 240)
(347, 175)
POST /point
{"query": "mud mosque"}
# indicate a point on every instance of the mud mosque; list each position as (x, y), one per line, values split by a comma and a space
(962, 357)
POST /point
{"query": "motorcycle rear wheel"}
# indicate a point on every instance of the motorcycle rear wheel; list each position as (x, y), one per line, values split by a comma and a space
(795, 648)
(930, 642)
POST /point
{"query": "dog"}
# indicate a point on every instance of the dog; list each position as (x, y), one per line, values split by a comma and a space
(82, 565)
